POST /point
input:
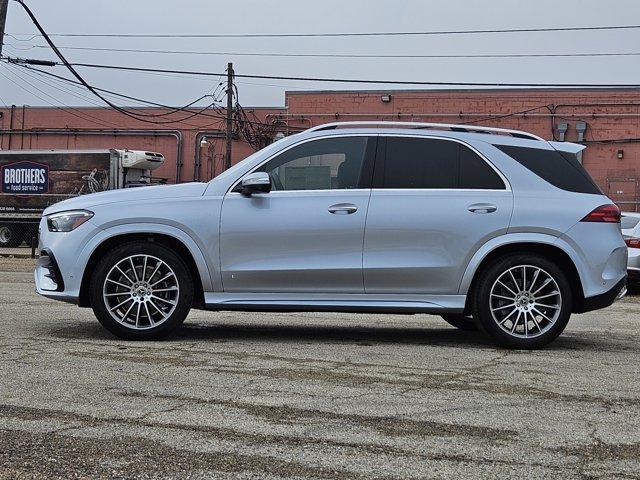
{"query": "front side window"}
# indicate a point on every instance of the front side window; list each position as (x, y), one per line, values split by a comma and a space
(427, 163)
(326, 164)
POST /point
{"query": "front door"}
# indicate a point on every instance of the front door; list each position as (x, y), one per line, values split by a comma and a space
(306, 234)
(434, 202)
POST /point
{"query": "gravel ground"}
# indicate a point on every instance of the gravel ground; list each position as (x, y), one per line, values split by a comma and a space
(327, 396)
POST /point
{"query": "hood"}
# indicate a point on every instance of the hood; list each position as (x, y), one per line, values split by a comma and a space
(129, 195)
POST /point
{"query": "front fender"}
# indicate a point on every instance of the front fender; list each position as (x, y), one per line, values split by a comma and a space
(513, 238)
(210, 282)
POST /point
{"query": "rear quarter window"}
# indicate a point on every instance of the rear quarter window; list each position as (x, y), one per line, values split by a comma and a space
(560, 169)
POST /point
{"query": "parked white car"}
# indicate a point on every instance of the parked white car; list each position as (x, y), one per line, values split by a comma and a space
(630, 224)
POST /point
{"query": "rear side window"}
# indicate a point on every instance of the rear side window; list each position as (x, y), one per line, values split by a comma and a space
(430, 163)
(560, 169)
(475, 173)
(627, 223)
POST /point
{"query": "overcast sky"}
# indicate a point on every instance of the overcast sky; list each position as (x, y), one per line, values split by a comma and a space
(296, 16)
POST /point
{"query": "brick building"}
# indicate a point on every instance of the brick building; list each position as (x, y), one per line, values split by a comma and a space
(606, 120)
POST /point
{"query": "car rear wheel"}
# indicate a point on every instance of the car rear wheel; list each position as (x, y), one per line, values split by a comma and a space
(141, 290)
(523, 301)
(460, 321)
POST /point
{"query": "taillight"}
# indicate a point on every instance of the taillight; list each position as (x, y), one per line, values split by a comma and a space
(632, 242)
(604, 213)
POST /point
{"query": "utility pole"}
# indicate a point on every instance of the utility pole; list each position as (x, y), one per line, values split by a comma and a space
(3, 19)
(227, 159)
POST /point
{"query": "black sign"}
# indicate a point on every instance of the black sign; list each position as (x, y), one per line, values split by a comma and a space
(25, 178)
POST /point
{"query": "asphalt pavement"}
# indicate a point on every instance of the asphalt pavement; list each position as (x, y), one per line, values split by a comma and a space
(322, 396)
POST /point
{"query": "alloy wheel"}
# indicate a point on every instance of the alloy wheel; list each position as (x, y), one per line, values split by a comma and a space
(141, 292)
(525, 301)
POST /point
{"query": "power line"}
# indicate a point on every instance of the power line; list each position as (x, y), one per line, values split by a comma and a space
(366, 81)
(135, 115)
(63, 108)
(219, 116)
(338, 55)
(332, 34)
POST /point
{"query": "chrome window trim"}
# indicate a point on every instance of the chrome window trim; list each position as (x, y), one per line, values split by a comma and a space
(301, 142)
(403, 135)
(506, 183)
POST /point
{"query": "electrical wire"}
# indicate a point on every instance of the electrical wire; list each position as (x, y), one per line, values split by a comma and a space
(335, 34)
(70, 110)
(506, 115)
(341, 55)
(354, 80)
(137, 115)
(221, 115)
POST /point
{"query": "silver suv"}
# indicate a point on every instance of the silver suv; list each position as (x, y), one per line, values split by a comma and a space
(490, 228)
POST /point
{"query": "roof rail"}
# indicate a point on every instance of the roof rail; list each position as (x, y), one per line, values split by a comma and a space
(435, 126)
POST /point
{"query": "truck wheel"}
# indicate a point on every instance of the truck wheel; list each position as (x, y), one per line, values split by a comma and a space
(141, 290)
(523, 301)
(10, 236)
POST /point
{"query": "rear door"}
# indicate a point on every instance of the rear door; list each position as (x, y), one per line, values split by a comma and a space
(434, 202)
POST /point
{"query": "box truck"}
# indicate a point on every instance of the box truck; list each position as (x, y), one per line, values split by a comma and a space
(32, 180)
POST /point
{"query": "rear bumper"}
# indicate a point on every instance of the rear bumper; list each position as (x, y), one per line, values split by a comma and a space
(605, 299)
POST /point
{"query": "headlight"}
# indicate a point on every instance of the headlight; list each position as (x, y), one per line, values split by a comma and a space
(67, 221)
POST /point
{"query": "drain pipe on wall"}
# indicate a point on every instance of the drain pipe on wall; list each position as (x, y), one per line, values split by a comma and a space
(109, 133)
(581, 128)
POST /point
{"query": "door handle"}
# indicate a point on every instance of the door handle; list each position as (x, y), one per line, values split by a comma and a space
(343, 209)
(482, 208)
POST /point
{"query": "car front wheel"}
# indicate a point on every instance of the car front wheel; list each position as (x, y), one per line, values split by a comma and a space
(523, 301)
(141, 290)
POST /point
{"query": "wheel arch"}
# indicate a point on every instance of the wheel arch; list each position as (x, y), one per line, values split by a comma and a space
(547, 249)
(173, 243)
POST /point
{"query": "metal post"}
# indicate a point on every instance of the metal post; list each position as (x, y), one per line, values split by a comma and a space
(3, 20)
(227, 160)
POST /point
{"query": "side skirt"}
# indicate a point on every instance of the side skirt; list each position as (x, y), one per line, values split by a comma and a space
(363, 303)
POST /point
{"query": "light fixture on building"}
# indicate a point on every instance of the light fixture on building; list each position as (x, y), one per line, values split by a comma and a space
(620, 154)
(562, 130)
(385, 98)
(203, 142)
(278, 136)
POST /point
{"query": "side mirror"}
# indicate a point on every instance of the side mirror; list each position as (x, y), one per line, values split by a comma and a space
(256, 182)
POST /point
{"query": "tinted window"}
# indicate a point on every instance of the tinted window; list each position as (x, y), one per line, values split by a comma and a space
(627, 223)
(562, 171)
(420, 163)
(475, 173)
(327, 164)
(432, 163)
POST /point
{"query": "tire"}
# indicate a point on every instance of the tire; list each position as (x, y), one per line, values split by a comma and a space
(460, 321)
(10, 235)
(544, 300)
(134, 306)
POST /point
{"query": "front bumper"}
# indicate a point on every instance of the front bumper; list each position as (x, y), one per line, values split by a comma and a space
(59, 269)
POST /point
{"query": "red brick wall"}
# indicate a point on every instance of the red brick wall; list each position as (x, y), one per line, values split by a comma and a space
(618, 118)
(153, 138)
(610, 115)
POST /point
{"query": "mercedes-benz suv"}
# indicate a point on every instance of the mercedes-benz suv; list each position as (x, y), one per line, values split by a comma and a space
(492, 229)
